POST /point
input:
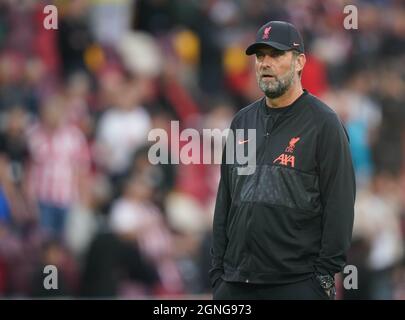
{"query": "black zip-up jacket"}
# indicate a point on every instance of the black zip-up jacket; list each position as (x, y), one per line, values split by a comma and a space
(293, 217)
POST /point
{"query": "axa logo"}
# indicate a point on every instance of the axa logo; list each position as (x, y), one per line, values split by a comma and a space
(285, 160)
(288, 159)
(266, 33)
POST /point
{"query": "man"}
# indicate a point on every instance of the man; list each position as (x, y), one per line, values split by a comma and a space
(282, 232)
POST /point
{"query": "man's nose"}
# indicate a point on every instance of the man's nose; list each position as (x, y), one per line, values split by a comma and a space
(267, 60)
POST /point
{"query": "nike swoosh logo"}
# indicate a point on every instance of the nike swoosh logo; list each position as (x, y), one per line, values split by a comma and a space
(295, 44)
(243, 141)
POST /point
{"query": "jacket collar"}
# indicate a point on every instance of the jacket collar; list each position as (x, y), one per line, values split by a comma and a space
(290, 109)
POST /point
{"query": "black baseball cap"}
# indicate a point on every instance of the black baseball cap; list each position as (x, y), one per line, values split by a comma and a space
(277, 34)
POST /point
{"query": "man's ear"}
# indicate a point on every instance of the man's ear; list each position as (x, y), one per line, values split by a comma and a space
(300, 63)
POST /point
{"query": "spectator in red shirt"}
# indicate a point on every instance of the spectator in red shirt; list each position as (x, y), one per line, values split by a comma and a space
(59, 163)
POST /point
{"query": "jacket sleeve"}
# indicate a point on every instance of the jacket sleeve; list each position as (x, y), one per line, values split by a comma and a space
(222, 205)
(338, 191)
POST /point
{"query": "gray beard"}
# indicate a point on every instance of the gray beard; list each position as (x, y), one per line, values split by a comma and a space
(280, 85)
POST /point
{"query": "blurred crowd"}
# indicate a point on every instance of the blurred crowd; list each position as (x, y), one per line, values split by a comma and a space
(76, 105)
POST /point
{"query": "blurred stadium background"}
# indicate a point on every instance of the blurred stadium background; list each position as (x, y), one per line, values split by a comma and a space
(76, 187)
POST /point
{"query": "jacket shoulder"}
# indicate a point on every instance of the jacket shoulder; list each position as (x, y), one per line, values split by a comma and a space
(246, 111)
(322, 112)
(325, 117)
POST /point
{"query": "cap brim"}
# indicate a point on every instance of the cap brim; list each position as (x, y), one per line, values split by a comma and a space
(253, 47)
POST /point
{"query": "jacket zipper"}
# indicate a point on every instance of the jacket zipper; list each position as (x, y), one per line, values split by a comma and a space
(248, 223)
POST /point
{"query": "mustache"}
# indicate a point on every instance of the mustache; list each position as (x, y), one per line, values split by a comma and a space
(267, 73)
